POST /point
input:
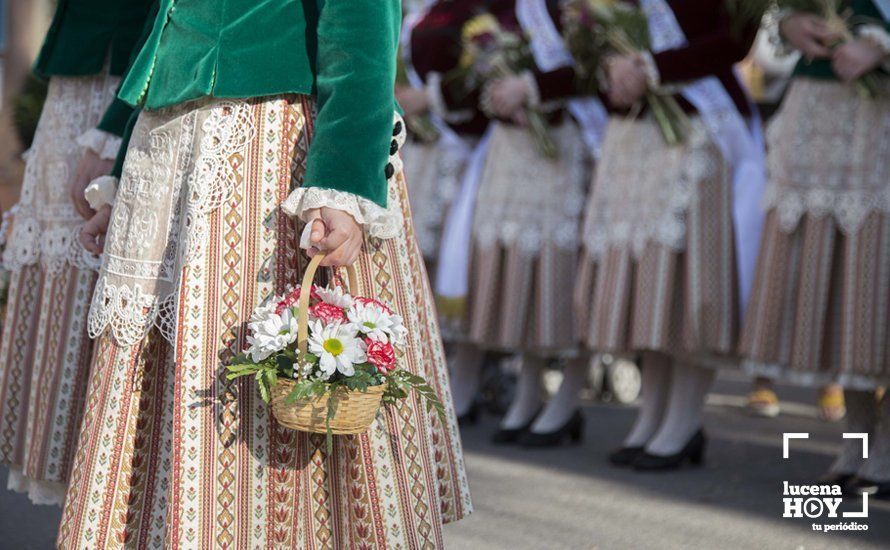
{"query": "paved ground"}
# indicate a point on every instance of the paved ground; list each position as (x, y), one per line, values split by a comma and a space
(569, 498)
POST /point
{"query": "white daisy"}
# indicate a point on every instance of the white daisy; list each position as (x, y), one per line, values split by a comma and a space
(337, 347)
(376, 323)
(335, 296)
(263, 312)
(271, 334)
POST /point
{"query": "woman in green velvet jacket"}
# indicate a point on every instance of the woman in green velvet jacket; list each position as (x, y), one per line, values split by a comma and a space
(46, 351)
(254, 112)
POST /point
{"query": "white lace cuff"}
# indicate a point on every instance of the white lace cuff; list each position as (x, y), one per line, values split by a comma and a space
(437, 102)
(101, 191)
(102, 143)
(878, 36)
(377, 221)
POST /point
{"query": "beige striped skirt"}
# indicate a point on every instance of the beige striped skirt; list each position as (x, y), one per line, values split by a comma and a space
(45, 351)
(657, 272)
(525, 242)
(820, 307)
(171, 453)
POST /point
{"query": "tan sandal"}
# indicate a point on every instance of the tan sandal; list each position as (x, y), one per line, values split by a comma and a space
(763, 402)
(832, 407)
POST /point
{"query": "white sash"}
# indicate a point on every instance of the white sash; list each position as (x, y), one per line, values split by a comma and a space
(741, 145)
(550, 53)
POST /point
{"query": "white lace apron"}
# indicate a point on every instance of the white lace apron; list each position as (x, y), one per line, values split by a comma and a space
(46, 225)
(176, 174)
(829, 155)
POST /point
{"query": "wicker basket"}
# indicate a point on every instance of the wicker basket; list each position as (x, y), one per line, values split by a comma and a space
(356, 410)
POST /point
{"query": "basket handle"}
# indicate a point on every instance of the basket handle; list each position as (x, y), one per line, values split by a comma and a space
(305, 295)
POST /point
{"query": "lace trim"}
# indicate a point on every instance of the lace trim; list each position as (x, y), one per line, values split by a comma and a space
(102, 143)
(666, 178)
(41, 493)
(46, 226)
(878, 36)
(527, 201)
(828, 162)
(377, 221)
(160, 219)
(101, 191)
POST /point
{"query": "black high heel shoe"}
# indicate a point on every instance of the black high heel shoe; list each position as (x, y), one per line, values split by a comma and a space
(572, 432)
(471, 417)
(693, 451)
(625, 456)
(843, 480)
(875, 489)
(511, 435)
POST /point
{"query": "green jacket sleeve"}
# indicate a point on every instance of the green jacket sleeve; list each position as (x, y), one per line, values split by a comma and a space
(118, 114)
(355, 78)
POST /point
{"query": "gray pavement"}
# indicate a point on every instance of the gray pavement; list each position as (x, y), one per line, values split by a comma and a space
(570, 498)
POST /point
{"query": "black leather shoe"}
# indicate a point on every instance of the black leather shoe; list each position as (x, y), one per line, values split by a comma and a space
(625, 456)
(572, 432)
(471, 417)
(511, 435)
(693, 451)
(874, 489)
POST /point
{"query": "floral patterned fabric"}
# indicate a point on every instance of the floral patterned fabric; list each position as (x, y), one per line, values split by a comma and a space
(174, 455)
(45, 350)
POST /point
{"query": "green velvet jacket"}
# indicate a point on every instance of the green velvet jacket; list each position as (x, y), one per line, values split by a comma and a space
(865, 12)
(342, 52)
(84, 34)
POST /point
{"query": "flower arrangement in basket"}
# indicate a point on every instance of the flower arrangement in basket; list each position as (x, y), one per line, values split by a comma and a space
(490, 52)
(594, 30)
(837, 16)
(326, 360)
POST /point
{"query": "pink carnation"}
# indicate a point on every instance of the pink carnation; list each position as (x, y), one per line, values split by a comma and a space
(327, 313)
(293, 297)
(381, 355)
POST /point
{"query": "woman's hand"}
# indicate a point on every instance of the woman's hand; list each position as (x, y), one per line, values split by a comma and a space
(89, 168)
(506, 97)
(627, 80)
(809, 34)
(92, 234)
(413, 101)
(855, 58)
(337, 234)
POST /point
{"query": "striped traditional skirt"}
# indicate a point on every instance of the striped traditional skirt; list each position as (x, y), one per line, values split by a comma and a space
(657, 271)
(820, 309)
(45, 350)
(434, 172)
(525, 242)
(174, 455)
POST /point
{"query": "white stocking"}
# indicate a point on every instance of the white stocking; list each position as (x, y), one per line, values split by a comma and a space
(862, 417)
(877, 467)
(686, 403)
(656, 383)
(466, 364)
(529, 394)
(566, 400)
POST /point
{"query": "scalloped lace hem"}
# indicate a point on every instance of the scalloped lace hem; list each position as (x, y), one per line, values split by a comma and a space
(384, 223)
(100, 142)
(54, 248)
(42, 493)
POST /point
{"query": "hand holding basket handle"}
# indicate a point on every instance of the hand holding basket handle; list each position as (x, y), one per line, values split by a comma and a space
(337, 233)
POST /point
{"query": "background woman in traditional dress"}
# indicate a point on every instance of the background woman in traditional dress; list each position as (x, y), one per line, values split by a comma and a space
(820, 306)
(437, 171)
(45, 352)
(525, 233)
(171, 453)
(658, 275)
